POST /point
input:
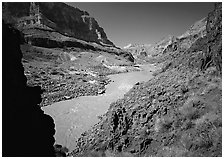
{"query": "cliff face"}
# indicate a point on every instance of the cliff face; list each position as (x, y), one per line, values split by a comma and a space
(207, 48)
(26, 130)
(63, 18)
(74, 22)
(213, 55)
(177, 113)
(57, 25)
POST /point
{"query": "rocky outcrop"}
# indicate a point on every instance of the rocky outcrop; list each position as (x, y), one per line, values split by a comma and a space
(207, 49)
(26, 130)
(62, 18)
(213, 55)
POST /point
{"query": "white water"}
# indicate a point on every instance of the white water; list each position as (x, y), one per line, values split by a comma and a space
(73, 117)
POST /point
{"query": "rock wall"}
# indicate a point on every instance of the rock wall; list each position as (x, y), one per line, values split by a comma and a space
(63, 18)
(213, 54)
(26, 130)
(208, 48)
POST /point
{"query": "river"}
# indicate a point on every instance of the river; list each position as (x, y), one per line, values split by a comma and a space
(73, 117)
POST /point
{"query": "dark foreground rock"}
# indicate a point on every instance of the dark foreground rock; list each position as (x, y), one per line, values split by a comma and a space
(26, 130)
(177, 113)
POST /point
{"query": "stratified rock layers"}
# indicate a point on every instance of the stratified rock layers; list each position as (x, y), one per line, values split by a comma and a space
(62, 18)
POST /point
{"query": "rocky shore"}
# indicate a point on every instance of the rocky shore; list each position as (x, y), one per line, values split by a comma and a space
(59, 85)
(69, 73)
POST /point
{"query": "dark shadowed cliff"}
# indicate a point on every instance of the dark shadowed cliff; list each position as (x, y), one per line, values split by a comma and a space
(26, 130)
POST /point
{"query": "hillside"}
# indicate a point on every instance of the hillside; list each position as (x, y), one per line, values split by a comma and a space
(178, 112)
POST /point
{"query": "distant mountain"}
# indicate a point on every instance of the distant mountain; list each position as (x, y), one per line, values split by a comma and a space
(139, 51)
(57, 16)
(145, 53)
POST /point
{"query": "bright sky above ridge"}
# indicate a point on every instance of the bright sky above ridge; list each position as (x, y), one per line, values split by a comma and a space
(145, 22)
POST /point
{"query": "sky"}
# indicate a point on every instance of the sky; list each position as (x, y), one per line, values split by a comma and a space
(144, 22)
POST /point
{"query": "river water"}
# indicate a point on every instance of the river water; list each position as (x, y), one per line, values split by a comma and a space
(73, 117)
